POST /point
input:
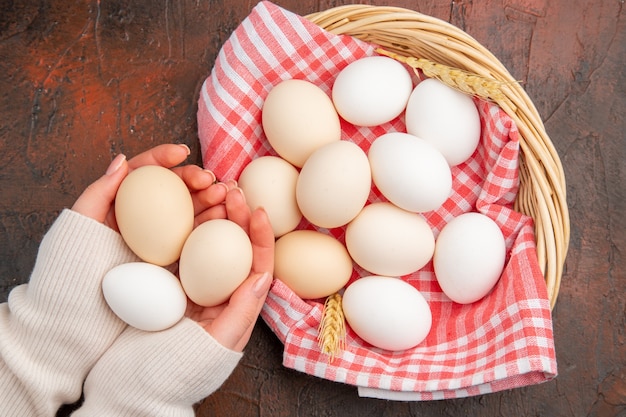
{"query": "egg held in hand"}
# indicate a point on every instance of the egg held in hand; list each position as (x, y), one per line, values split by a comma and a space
(387, 312)
(145, 296)
(154, 213)
(216, 259)
(469, 257)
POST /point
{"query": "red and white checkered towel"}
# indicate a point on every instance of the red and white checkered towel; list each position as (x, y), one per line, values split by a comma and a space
(501, 342)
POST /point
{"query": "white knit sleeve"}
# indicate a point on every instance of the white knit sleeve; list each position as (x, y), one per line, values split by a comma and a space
(146, 374)
(55, 328)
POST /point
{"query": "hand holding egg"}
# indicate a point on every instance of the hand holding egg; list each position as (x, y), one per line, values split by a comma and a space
(97, 200)
(231, 323)
(130, 288)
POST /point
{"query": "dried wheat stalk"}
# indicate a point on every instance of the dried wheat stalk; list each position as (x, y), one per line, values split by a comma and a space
(332, 329)
(461, 80)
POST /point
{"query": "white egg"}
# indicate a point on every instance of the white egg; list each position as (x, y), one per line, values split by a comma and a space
(445, 117)
(371, 91)
(410, 172)
(387, 240)
(270, 182)
(387, 312)
(469, 257)
(334, 184)
(144, 295)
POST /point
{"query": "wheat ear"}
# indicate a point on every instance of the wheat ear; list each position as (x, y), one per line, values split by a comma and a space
(332, 329)
(461, 80)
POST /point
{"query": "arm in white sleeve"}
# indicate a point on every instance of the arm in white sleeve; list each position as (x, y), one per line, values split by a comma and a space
(55, 328)
(157, 373)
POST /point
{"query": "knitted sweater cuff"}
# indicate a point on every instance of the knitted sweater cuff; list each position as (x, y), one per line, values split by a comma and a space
(157, 373)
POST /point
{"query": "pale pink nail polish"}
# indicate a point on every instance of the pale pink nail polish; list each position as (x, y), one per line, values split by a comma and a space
(262, 285)
(208, 171)
(186, 148)
(115, 164)
(240, 192)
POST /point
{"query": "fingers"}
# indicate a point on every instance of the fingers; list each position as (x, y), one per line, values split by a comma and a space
(215, 212)
(203, 315)
(237, 209)
(209, 197)
(195, 177)
(262, 238)
(205, 192)
(258, 227)
(233, 327)
(246, 303)
(98, 197)
(168, 155)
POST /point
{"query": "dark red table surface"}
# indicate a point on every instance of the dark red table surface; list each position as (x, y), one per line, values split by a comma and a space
(82, 81)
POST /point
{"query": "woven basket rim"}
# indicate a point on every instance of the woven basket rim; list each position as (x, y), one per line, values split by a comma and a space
(542, 193)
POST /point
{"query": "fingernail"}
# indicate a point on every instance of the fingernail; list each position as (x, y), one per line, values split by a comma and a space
(186, 148)
(115, 164)
(240, 192)
(231, 183)
(262, 210)
(208, 171)
(262, 285)
(221, 184)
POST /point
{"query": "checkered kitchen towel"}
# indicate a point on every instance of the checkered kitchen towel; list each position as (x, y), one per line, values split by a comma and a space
(503, 341)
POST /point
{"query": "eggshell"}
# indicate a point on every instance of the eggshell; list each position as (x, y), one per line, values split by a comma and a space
(215, 260)
(410, 172)
(144, 295)
(387, 312)
(445, 117)
(469, 257)
(313, 264)
(154, 214)
(297, 118)
(334, 184)
(387, 240)
(270, 182)
(372, 90)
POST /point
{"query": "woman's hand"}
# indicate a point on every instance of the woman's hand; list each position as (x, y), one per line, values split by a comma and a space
(231, 323)
(97, 199)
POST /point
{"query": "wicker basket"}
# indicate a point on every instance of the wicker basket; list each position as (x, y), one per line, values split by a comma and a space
(542, 184)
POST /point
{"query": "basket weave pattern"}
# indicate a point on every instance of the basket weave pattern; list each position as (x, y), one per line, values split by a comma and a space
(542, 193)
